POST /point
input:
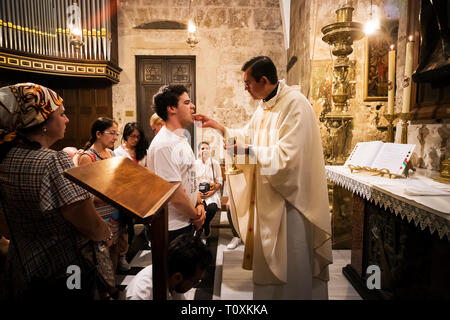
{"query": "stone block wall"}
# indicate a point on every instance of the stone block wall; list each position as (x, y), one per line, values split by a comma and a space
(231, 32)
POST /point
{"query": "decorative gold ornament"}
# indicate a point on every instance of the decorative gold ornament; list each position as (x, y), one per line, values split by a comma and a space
(405, 117)
(390, 128)
(445, 172)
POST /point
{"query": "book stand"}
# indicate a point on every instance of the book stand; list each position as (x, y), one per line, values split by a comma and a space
(134, 190)
(378, 172)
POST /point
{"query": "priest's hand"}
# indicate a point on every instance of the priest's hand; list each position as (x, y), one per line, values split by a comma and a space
(208, 122)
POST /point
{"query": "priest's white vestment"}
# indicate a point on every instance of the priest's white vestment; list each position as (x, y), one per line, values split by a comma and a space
(285, 186)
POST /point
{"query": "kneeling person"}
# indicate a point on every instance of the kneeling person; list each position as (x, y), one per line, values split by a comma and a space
(187, 260)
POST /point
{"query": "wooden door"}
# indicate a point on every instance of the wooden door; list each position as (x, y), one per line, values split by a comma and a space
(152, 72)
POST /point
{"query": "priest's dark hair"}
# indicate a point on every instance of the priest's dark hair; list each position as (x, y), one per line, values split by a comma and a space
(167, 96)
(187, 253)
(261, 66)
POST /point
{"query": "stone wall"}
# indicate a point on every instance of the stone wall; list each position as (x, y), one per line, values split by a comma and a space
(431, 139)
(231, 32)
(299, 46)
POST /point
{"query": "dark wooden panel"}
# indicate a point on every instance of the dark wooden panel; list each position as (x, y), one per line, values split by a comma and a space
(114, 34)
(357, 234)
(414, 263)
(159, 242)
(153, 71)
(101, 95)
(430, 99)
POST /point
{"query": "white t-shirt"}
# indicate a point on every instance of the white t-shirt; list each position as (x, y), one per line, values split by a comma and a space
(205, 174)
(141, 287)
(170, 156)
(120, 151)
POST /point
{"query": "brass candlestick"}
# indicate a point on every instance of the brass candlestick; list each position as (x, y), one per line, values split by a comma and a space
(340, 35)
(405, 118)
(390, 128)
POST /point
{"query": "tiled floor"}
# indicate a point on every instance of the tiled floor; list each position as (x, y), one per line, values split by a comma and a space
(230, 281)
(236, 283)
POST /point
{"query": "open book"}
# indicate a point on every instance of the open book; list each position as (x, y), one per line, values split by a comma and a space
(379, 155)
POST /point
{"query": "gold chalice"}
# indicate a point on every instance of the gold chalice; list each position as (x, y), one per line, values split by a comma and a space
(233, 170)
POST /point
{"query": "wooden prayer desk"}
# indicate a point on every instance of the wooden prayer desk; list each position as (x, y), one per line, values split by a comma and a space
(138, 191)
(403, 233)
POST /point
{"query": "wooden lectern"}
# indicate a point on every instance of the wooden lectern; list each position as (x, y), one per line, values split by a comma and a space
(138, 191)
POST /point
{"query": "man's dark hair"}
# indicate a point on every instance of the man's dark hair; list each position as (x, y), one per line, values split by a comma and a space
(186, 253)
(167, 96)
(200, 144)
(261, 66)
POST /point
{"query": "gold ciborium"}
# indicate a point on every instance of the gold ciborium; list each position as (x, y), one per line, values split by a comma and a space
(233, 169)
(445, 172)
(405, 117)
(390, 132)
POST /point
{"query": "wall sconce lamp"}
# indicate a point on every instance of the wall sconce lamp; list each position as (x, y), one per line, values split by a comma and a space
(192, 38)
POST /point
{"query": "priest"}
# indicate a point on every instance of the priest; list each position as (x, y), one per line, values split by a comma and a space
(279, 202)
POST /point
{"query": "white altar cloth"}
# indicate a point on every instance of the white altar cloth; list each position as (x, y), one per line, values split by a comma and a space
(430, 210)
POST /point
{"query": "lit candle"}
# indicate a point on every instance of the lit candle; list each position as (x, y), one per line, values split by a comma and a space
(391, 81)
(408, 73)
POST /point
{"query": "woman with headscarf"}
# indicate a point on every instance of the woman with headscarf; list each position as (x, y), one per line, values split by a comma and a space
(50, 219)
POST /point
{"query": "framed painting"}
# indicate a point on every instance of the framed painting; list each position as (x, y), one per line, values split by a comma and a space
(376, 61)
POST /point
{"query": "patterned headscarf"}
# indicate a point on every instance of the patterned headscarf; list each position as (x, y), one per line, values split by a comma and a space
(25, 105)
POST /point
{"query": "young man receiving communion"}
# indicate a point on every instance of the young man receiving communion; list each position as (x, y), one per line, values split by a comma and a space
(170, 156)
